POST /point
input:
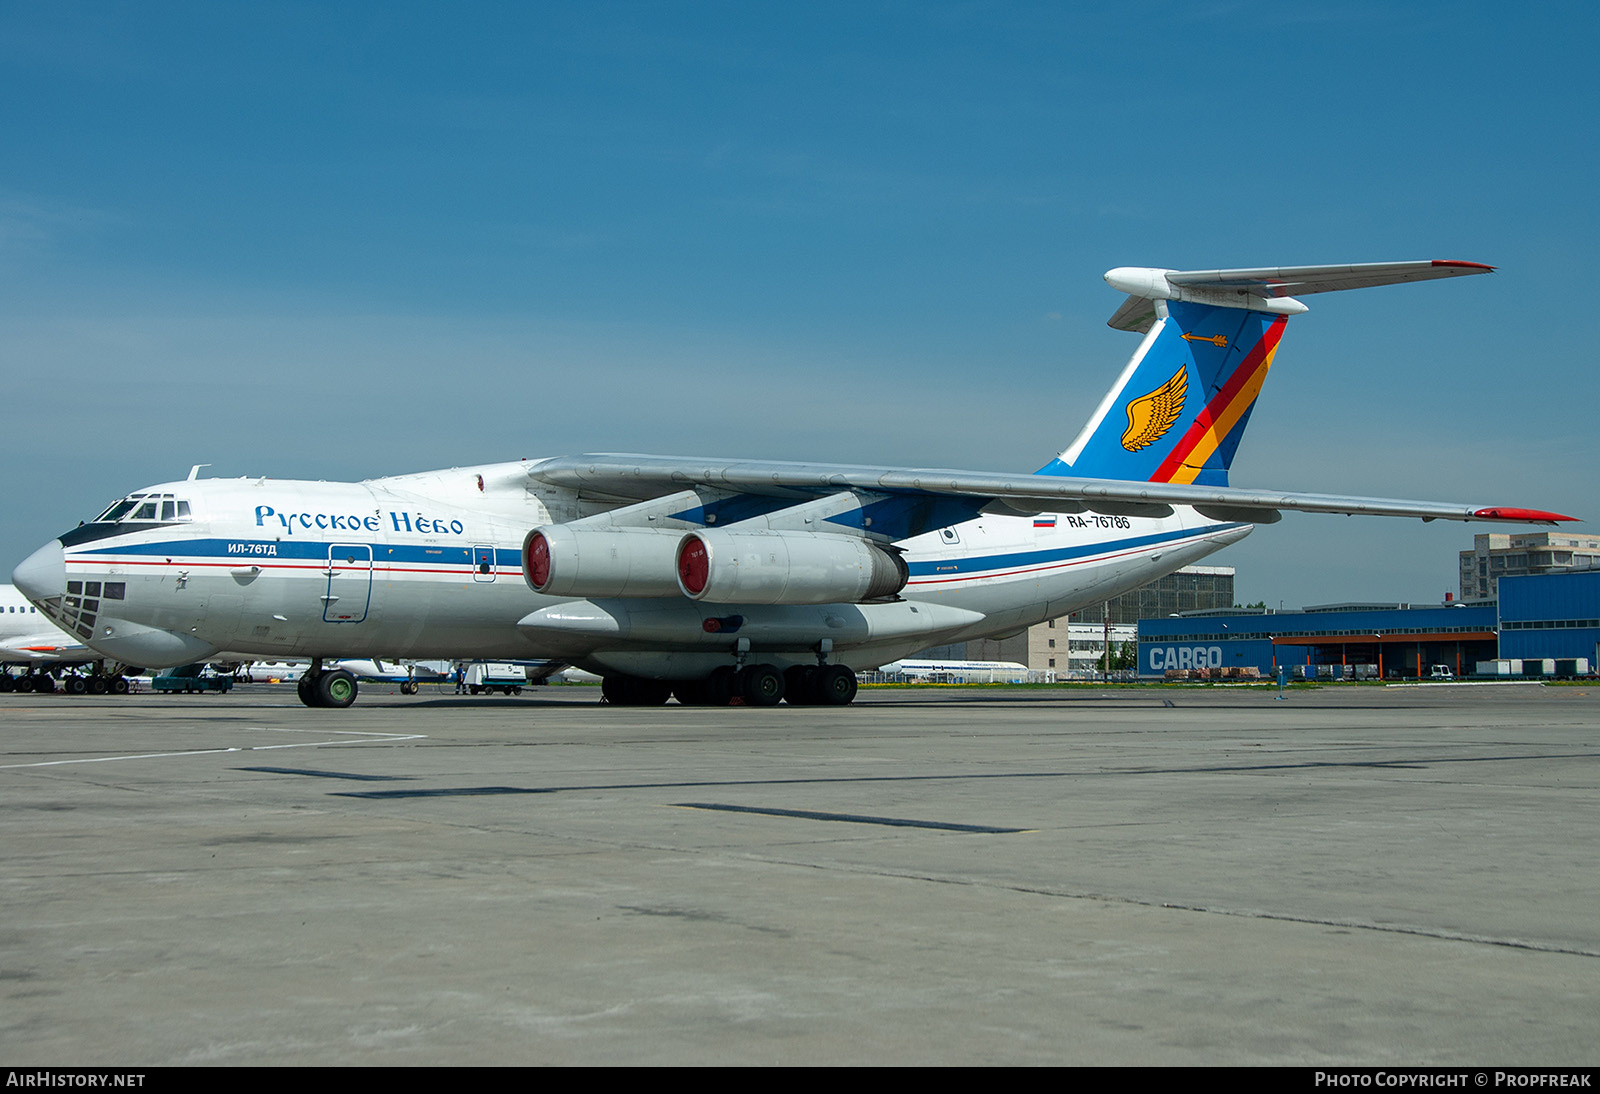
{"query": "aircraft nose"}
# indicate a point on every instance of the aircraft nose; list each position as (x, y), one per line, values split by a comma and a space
(42, 574)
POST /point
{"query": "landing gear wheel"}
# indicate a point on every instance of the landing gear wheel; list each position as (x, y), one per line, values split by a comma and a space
(307, 688)
(99, 685)
(800, 685)
(654, 693)
(43, 684)
(119, 686)
(635, 691)
(690, 693)
(7, 682)
(761, 685)
(77, 685)
(836, 685)
(336, 689)
(720, 688)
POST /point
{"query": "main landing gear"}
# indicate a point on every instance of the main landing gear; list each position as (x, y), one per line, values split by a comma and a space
(336, 688)
(29, 681)
(757, 685)
(95, 683)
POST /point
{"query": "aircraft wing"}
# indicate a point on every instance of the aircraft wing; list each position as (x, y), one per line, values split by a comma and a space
(629, 477)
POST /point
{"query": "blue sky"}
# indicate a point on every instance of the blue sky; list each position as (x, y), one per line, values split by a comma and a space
(345, 240)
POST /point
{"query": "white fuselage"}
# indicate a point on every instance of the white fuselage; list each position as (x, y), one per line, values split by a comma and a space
(429, 566)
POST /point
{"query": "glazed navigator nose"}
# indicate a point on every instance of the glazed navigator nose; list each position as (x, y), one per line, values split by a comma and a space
(42, 574)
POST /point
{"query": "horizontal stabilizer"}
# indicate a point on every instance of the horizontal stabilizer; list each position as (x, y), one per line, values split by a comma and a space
(1268, 289)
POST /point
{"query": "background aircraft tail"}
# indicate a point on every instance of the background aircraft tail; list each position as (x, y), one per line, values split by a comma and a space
(1178, 410)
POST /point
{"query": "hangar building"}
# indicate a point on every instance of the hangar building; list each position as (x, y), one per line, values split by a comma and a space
(1554, 616)
(1342, 641)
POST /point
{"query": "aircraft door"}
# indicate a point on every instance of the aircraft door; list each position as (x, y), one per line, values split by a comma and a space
(349, 583)
(482, 563)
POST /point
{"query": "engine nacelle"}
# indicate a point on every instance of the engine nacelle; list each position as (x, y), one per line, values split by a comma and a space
(727, 567)
(559, 560)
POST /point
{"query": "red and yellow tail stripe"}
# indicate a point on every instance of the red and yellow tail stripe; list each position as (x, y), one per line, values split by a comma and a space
(1223, 413)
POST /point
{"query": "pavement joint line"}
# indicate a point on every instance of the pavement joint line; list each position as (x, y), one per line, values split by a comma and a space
(373, 738)
(852, 818)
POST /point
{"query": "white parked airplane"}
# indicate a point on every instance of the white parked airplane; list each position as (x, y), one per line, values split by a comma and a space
(706, 578)
(408, 674)
(972, 672)
(30, 639)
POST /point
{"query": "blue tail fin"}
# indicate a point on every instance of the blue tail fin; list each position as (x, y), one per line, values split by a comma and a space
(1180, 406)
(1178, 410)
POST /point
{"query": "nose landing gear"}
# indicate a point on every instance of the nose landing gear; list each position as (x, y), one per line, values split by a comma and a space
(336, 688)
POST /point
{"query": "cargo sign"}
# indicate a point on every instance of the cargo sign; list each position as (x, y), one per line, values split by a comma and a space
(1166, 658)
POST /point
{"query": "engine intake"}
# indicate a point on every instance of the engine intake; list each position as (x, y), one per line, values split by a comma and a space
(558, 560)
(727, 567)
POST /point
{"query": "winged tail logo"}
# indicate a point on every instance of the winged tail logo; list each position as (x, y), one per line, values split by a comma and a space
(1150, 416)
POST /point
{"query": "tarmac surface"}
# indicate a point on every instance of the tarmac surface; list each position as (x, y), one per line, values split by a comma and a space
(1353, 875)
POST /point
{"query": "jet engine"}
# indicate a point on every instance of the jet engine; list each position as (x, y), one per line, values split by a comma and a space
(559, 560)
(728, 567)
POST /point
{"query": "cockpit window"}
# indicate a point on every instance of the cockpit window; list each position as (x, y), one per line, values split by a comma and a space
(142, 506)
(116, 510)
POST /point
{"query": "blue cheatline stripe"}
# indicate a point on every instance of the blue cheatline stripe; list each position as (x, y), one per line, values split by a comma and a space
(511, 558)
(454, 555)
(981, 563)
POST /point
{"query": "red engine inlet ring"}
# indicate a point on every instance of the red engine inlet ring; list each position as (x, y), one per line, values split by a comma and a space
(694, 565)
(538, 561)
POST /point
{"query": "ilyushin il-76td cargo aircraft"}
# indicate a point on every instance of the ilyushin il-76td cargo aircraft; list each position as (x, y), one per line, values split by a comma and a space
(709, 579)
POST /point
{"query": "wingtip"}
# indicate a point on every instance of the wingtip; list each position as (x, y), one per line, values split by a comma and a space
(1479, 266)
(1521, 516)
